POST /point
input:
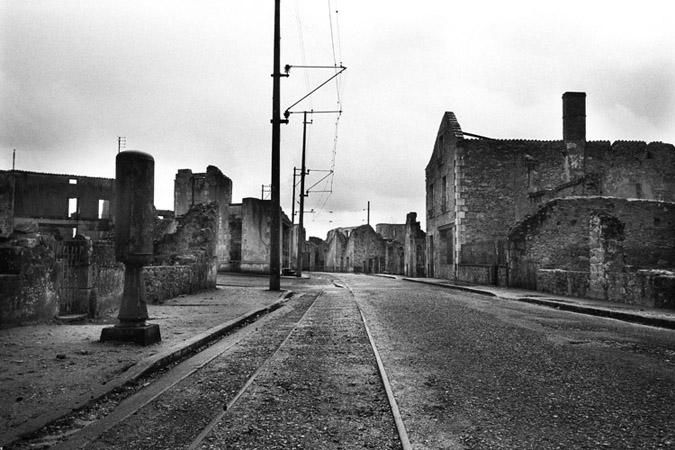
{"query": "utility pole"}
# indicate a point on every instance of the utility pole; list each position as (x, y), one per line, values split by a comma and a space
(293, 198)
(13, 159)
(368, 222)
(275, 231)
(301, 220)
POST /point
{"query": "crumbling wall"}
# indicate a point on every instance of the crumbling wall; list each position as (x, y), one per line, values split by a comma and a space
(6, 204)
(315, 254)
(336, 241)
(634, 169)
(235, 226)
(394, 231)
(201, 188)
(28, 279)
(413, 248)
(394, 260)
(45, 199)
(598, 247)
(188, 255)
(364, 251)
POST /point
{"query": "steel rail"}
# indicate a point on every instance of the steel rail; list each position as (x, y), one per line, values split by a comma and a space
(395, 412)
(218, 417)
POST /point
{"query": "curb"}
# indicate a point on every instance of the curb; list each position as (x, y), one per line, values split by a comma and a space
(624, 316)
(142, 368)
(600, 312)
(453, 286)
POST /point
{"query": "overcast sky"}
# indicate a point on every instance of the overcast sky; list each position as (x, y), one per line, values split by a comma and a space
(189, 82)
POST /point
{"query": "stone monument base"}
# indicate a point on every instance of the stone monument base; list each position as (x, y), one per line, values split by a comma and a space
(143, 335)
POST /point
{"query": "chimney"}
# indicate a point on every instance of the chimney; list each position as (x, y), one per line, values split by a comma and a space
(574, 117)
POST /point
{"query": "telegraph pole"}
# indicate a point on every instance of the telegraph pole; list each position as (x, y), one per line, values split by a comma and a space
(301, 220)
(368, 222)
(275, 231)
(293, 198)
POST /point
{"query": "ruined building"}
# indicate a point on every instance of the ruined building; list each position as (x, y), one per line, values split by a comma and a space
(243, 229)
(61, 205)
(57, 254)
(488, 201)
(363, 249)
(414, 244)
(201, 188)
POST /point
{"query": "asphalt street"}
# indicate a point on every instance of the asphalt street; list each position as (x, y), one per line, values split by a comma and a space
(478, 372)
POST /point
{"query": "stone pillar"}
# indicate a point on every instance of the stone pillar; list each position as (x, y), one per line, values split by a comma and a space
(134, 185)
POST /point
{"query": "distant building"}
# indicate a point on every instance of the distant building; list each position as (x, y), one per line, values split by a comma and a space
(480, 190)
(62, 205)
(414, 243)
(243, 229)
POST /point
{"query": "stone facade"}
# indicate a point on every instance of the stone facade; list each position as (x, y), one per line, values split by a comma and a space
(364, 251)
(202, 188)
(315, 254)
(29, 279)
(336, 242)
(477, 187)
(599, 247)
(62, 205)
(413, 247)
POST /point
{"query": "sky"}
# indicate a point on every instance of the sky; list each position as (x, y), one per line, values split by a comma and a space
(189, 82)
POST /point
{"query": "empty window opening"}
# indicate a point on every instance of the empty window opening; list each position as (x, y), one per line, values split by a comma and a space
(103, 209)
(72, 208)
(72, 181)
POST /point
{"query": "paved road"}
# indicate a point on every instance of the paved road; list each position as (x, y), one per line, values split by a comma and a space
(476, 372)
(467, 371)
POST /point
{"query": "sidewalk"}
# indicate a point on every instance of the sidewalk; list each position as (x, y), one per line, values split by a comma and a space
(50, 369)
(662, 318)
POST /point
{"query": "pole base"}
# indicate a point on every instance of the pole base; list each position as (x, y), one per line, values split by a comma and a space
(142, 335)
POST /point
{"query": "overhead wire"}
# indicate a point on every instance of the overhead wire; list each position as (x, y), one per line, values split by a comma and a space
(337, 56)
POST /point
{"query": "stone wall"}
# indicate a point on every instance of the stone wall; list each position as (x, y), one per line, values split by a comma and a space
(193, 244)
(6, 204)
(364, 251)
(477, 188)
(634, 169)
(28, 280)
(393, 231)
(413, 247)
(394, 258)
(202, 188)
(315, 254)
(255, 235)
(597, 247)
(336, 242)
(45, 200)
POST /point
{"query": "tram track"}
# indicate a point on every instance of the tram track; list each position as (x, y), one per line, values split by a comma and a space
(319, 382)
